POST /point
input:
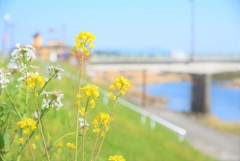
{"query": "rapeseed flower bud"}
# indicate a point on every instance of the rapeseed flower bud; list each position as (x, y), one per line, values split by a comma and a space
(77, 103)
(96, 130)
(103, 118)
(95, 123)
(59, 144)
(78, 96)
(33, 146)
(37, 138)
(82, 111)
(20, 140)
(112, 96)
(92, 103)
(71, 145)
(116, 158)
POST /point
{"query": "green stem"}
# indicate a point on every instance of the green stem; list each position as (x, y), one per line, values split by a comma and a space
(62, 137)
(46, 83)
(79, 90)
(41, 130)
(29, 144)
(84, 131)
(95, 144)
(11, 100)
(111, 114)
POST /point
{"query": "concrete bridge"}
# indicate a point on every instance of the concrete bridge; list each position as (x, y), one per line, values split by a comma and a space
(200, 71)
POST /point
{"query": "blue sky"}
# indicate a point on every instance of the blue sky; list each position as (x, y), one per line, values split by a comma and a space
(129, 25)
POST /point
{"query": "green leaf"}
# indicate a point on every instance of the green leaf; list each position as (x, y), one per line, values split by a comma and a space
(6, 138)
(1, 141)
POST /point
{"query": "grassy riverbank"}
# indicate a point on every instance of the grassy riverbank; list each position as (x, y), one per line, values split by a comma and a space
(127, 136)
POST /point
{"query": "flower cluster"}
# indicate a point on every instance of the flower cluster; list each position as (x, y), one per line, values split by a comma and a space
(57, 71)
(84, 42)
(119, 87)
(101, 119)
(52, 99)
(3, 79)
(116, 158)
(27, 125)
(35, 79)
(21, 56)
(91, 91)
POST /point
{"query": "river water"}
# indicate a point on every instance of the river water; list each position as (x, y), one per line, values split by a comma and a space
(225, 102)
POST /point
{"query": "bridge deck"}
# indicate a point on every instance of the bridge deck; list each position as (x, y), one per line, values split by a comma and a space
(191, 68)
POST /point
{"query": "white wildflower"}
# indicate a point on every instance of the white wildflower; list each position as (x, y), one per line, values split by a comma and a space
(52, 99)
(83, 123)
(46, 103)
(3, 79)
(55, 71)
(12, 66)
(21, 52)
(34, 66)
(36, 114)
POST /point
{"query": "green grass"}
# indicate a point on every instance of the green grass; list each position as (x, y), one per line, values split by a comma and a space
(127, 136)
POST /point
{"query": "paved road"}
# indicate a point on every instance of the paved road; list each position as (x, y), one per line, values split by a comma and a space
(210, 141)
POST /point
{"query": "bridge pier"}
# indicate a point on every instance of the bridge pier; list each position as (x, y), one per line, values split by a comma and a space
(201, 96)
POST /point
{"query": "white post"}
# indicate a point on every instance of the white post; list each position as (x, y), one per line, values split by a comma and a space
(143, 119)
(152, 124)
(105, 99)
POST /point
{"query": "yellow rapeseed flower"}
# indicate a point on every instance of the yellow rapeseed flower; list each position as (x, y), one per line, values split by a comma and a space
(96, 130)
(27, 125)
(119, 87)
(37, 138)
(95, 123)
(116, 158)
(26, 131)
(104, 118)
(71, 145)
(112, 96)
(92, 103)
(78, 96)
(91, 91)
(102, 133)
(59, 144)
(83, 42)
(34, 80)
(82, 111)
(33, 146)
(77, 103)
(20, 140)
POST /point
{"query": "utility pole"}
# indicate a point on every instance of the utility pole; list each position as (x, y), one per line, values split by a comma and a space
(192, 30)
(144, 85)
(5, 37)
